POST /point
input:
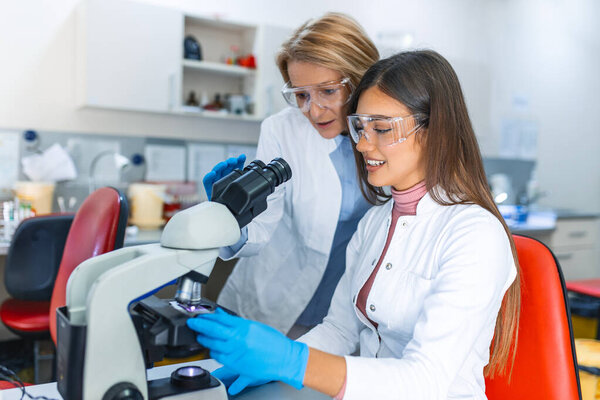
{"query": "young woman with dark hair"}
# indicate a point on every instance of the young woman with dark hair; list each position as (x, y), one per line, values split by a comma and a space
(430, 295)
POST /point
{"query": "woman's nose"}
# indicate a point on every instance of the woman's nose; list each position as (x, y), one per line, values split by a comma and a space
(363, 144)
(315, 110)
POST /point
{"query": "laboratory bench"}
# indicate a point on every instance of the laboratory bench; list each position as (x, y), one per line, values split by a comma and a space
(273, 390)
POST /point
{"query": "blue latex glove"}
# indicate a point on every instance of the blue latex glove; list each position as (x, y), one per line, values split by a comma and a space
(220, 170)
(236, 382)
(251, 349)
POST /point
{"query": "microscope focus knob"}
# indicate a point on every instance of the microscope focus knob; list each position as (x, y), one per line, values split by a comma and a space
(123, 391)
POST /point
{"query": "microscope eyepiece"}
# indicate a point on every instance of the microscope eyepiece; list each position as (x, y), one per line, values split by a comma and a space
(245, 192)
(280, 169)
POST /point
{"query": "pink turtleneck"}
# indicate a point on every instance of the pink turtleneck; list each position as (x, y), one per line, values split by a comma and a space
(405, 203)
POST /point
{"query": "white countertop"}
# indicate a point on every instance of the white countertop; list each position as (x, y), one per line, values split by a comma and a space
(273, 390)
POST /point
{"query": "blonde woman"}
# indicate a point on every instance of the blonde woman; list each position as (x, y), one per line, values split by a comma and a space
(430, 296)
(293, 254)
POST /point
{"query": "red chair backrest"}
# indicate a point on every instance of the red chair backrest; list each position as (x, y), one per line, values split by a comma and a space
(545, 363)
(98, 227)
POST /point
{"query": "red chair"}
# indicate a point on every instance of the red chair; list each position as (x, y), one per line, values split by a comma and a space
(545, 363)
(98, 227)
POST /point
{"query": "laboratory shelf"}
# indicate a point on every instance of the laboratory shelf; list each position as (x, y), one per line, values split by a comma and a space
(218, 68)
(190, 112)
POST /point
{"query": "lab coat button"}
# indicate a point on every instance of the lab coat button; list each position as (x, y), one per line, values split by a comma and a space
(404, 224)
(388, 266)
(372, 307)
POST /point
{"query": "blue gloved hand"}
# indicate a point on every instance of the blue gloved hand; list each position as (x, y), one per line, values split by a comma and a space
(236, 382)
(220, 170)
(251, 349)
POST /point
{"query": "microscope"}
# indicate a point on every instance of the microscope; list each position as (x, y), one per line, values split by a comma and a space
(109, 332)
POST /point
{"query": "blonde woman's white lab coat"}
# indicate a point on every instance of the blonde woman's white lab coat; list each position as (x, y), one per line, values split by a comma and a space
(435, 298)
(288, 245)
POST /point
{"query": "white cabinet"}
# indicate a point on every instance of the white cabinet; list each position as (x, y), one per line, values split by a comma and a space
(575, 243)
(128, 55)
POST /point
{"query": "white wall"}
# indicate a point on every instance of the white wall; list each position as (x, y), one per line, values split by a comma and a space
(547, 51)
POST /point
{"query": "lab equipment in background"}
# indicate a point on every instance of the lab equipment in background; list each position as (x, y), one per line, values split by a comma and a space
(179, 196)
(519, 172)
(248, 61)
(501, 187)
(215, 105)
(38, 195)
(147, 202)
(9, 223)
(121, 162)
(235, 103)
(63, 206)
(32, 141)
(232, 58)
(13, 212)
(192, 100)
(96, 321)
(191, 48)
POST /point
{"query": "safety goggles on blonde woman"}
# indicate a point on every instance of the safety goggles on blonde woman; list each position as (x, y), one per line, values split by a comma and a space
(383, 131)
(329, 95)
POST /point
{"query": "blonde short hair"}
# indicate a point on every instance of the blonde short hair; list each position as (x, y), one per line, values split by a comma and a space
(334, 41)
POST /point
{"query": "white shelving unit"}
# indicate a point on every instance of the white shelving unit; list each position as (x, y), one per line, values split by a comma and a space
(129, 56)
(212, 76)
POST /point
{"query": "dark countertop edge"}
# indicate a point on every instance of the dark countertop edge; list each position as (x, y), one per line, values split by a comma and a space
(536, 231)
(572, 214)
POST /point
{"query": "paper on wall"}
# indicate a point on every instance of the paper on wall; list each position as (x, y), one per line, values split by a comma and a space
(519, 139)
(165, 162)
(234, 150)
(52, 165)
(202, 158)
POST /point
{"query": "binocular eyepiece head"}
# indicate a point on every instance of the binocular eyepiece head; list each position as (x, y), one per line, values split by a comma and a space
(245, 192)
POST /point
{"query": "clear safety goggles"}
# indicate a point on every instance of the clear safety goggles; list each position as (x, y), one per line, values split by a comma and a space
(382, 131)
(326, 95)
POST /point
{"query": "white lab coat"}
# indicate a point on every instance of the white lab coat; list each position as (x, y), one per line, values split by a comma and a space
(435, 298)
(288, 245)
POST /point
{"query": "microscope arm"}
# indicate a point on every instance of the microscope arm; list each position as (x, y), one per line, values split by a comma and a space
(205, 226)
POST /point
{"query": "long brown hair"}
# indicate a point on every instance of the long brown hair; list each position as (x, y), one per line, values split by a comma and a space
(334, 41)
(426, 84)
